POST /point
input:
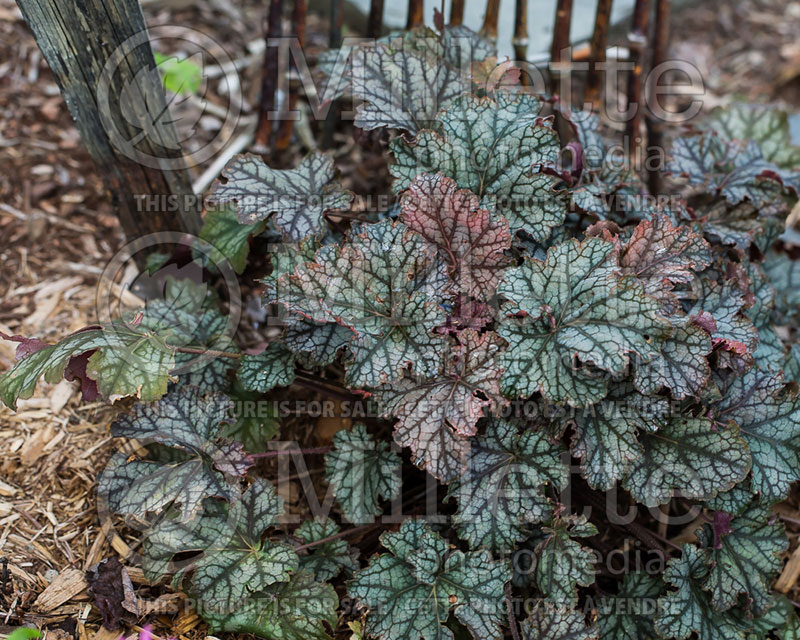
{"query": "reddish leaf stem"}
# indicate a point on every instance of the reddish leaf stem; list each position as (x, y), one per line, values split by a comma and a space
(311, 451)
(336, 536)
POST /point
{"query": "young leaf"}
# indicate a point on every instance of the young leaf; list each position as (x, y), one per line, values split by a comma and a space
(662, 255)
(327, 559)
(469, 239)
(562, 563)
(298, 197)
(629, 614)
(410, 591)
(361, 472)
(687, 454)
(688, 608)
(605, 433)
(681, 367)
(770, 424)
(730, 327)
(372, 284)
(436, 414)
(744, 550)
(501, 490)
(572, 304)
(229, 238)
(293, 610)
(548, 621)
(491, 147)
(274, 367)
(235, 562)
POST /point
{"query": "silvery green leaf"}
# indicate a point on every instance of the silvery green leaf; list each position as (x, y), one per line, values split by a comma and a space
(737, 170)
(501, 491)
(766, 125)
(437, 413)
(189, 424)
(682, 366)
(769, 422)
(273, 367)
(298, 198)
(138, 487)
(403, 85)
(411, 595)
(235, 561)
(606, 433)
(688, 608)
(548, 621)
(377, 285)
(573, 305)
(292, 610)
(562, 563)
(325, 560)
(784, 275)
(492, 148)
(744, 551)
(629, 614)
(362, 472)
(318, 341)
(692, 455)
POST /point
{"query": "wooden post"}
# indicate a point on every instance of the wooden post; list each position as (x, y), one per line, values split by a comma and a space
(269, 73)
(290, 104)
(560, 38)
(457, 12)
(489, 29)
(655, 127)
(77, 39)
(637, 39)
(375, 19)
(416, 9)
(597, 54)
(520, 39)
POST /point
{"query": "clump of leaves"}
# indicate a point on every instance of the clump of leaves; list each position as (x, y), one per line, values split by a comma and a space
(505, 316)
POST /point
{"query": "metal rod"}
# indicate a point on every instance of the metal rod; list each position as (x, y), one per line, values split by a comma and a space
(597, 54)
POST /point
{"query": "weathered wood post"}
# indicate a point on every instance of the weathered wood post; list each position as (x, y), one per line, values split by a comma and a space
(149, 185)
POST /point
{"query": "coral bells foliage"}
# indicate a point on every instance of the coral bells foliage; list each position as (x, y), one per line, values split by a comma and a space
(506, 319)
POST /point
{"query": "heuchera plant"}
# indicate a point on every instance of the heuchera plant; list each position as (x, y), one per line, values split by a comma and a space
(655, 339)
